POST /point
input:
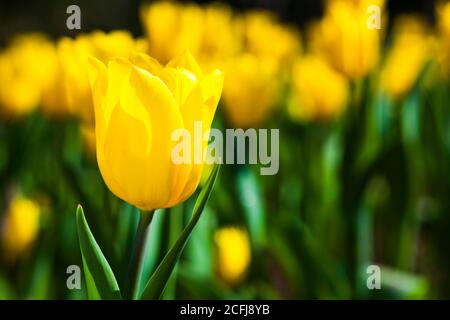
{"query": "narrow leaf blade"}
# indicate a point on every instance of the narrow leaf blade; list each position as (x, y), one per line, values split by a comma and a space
(94, 261)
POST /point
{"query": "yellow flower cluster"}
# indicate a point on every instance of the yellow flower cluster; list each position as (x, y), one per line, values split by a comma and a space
(252, 48)
(36, 72)
(260, 56)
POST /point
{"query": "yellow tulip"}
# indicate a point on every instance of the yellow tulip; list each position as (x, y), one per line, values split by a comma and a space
(138, 105)
(233, 254)
(218, 23)
(54, 102)
(26, 67)
(172, 28)
(344, 38)
(265, 37)
(251, 96)
(20, 227)
(320, 92)
(443, 23)
(407, 57)
(73, 55)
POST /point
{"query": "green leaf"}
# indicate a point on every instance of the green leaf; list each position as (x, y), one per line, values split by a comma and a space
(97, 270)
(155, 286)
(250, 195)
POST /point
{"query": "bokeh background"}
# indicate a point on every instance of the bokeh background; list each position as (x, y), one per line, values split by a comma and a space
(364, 148)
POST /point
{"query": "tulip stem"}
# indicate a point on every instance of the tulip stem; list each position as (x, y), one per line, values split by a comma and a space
(138, 255)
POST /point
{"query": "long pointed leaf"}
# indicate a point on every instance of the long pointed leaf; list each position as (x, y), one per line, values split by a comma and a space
(95, 263)
(155, 286)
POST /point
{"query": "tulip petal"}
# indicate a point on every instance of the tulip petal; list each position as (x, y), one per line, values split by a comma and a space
(211, 86)
(186, 61)
(123, 168)
(146, 62)
(165, 118)
(188, 94)
(98, 80)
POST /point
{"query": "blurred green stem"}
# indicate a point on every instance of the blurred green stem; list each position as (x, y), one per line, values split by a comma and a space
(137, 258)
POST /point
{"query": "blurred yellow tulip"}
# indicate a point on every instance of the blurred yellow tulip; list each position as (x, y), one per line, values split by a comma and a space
(233, 254)
(54, 103)
(26, 67)
(221, 36)
(252, 91)
(138, 105)
(265, 37)
(319, 92)
(407, 57)
(20, 226)
(73, 55)
(172, 28)
(345, 39)
(443, 24)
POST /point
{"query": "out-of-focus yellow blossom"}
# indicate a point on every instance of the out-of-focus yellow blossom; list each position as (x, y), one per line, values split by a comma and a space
(26, 67)
(319, 92)
(20, 226)
(265, 37)
(138, 105)
(443, 23)
(407, 57)
(344, 38)
(233, 254)
(172, 28)
(252, 91)
(221, 36)
(54, 102)
(73, 55)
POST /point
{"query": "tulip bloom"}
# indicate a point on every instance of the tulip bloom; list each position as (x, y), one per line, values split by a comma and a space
(407, 57)
(233, 254)
(343, 37)
(443, 24)
(250, 106)
(27, 66)
(73, 55)
(21, 226)
(312, 76)
(182, 24)
(260, 30)
(138, 105)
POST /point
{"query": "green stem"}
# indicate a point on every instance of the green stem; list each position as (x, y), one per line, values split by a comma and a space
(138, 256)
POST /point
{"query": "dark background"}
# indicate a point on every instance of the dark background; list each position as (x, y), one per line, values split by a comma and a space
(50, 16)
